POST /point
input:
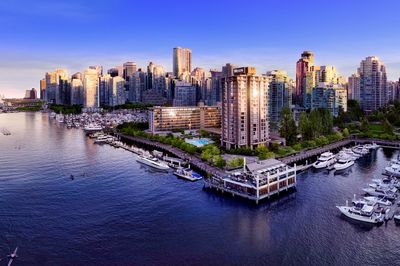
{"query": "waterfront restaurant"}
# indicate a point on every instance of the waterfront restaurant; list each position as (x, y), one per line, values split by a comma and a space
(257, 181)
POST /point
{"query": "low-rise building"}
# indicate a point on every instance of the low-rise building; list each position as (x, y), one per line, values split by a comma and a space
(258, 180)
(163, 119)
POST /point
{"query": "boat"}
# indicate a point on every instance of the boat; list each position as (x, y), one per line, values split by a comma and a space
(393, 169)
(187, 173)
(92, 128)
(396, 218)
(380, 193)
(360, 150)
(152, 162)
(326, 159)
(378, 200)
(343, 163)
(350, 153)
(102, 139)
(361, 212)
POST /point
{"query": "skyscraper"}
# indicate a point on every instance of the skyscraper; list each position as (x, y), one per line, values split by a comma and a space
(303, 67)
(117, 96)
(329, 96)
(137, 84)
(128, 69)
(90, 86)
(184, 94)
(280, 91)
(43, 89)
(373, 94)
(244, 109)
(182, 61)
(77, 94)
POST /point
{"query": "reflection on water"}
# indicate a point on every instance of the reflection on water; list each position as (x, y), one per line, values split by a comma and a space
(118, 212)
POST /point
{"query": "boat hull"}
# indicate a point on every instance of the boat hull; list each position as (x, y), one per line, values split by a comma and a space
(345, 211)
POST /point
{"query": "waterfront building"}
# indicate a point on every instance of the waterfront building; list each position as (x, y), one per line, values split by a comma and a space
(128, 69)
(162, 119)
(105, 90)
(372, 75)
(392, 91)
(182, 61)
(257, 181)
(77, 94)
(353, 88)
(117, 95)
(31, 94)
(43, 89)
(244, 109)
(280, 91)
(13, 104)
(52, 80)
(91, 88)
(329, 96)
(137, 84)
(303, 67)
(184, 94)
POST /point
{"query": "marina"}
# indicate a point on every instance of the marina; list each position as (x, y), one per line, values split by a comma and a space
(90, 217)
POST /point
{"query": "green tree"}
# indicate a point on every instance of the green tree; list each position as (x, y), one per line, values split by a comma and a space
(305, 127)
(364, 125)
(387, 127)
(288, 129)
(346, 132)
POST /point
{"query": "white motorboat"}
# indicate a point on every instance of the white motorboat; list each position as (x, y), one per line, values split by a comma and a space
(378, 200)
(360, 150)
(92, 128)
(393, 169)
(326, 159)
(187, 173)
(362, 212)
(396, 218)
(103, 139)
(348, 152)
(380, 193)
(152, 162)
(343, 163)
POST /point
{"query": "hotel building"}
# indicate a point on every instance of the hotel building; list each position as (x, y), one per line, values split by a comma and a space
(163, 119)
(244, 109)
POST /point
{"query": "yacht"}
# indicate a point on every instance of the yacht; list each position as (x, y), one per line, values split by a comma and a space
(326, 159)
(103, 139)
(187, 173)
(152, 162)
(378, 200)
(92, 128)
(360, 150)
(343, 163)
(361, 212)
(393, 169)
(380, 193)
(350, 153)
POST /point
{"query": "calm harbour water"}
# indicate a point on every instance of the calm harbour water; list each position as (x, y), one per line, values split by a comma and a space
(118, 212)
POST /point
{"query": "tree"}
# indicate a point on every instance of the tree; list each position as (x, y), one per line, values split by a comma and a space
(288, 129)
(387, 127)
(305, 127)
(346, 132)
(364, 125)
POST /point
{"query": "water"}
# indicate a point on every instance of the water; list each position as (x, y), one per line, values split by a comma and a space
(118, 212)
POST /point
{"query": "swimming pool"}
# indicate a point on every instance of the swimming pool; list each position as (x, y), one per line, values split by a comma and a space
(199, 142)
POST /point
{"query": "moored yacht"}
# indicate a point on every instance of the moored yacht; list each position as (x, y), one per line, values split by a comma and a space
(393, 168)
(152, 162)
(326, 159)
(378, 200)
(343, 163)
(92, 128)
(361, 212)
(380, 193)
(187, 173)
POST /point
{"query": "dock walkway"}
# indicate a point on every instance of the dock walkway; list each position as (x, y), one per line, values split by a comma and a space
(192, 159)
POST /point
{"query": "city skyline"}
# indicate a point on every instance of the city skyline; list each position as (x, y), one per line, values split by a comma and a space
(31, 48)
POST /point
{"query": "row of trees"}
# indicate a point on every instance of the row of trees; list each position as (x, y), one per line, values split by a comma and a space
(317, 123)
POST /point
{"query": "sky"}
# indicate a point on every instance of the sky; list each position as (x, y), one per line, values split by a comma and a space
(41, 35)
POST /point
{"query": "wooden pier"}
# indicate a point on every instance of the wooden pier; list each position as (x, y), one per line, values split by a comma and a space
(194, 161)
(304, 155)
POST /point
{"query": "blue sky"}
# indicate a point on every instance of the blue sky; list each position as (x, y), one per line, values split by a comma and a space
(39, 36)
